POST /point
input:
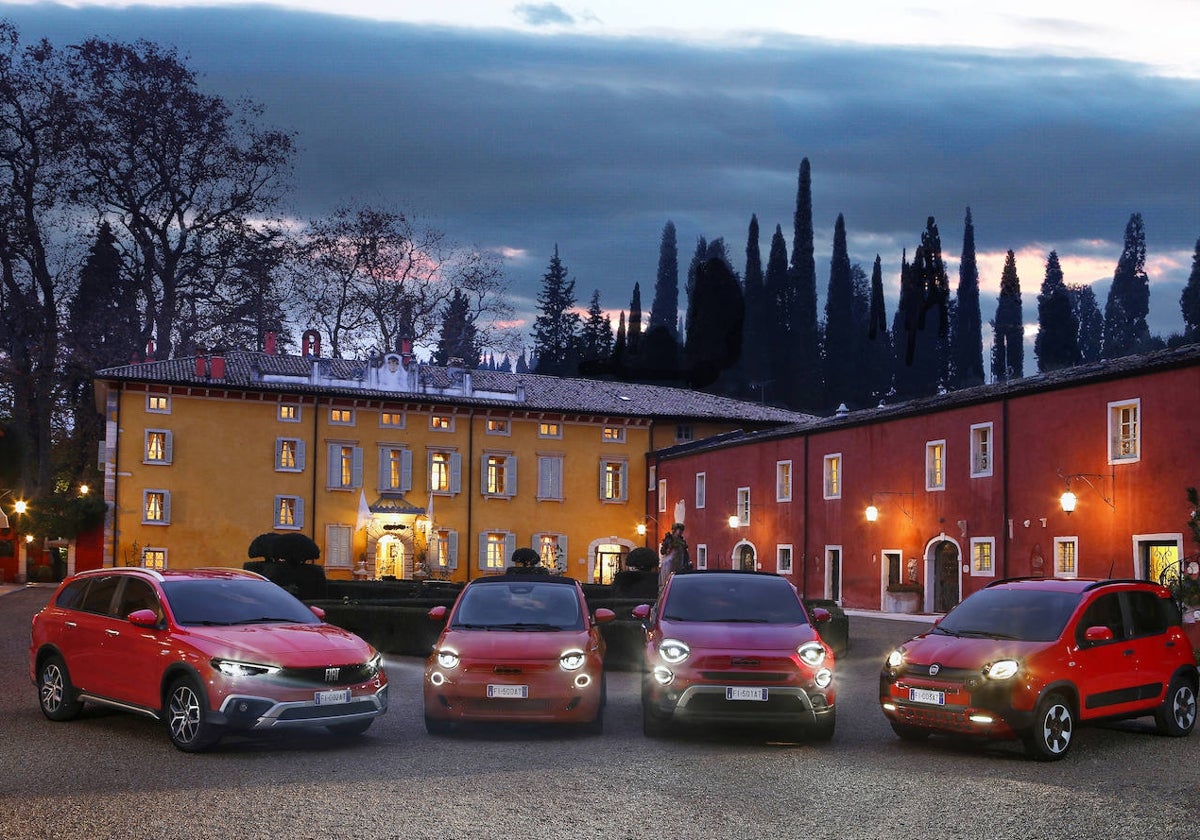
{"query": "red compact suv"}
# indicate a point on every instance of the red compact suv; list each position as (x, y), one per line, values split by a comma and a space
(206, 650)
(731, 647)
(1031, 658)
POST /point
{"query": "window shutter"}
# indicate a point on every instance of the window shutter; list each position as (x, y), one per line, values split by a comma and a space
(600, 486)
(300, 455)
(624, 482)
(481, 562)
(168, 446)
(405, 470)
(455, 472)
(299, 512)
(167, 506)
(384, 472)
(335, 466)
(562, 544)
(356, 467)
(510, 476)
(452, 549)
(543, 491)
(278, 453)
(510, 545)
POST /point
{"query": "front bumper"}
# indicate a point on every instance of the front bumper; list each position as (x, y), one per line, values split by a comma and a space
(701, 703)
(554, 696)
(248, 712)
(985, 710)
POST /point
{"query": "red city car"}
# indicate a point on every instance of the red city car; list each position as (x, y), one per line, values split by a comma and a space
(517, 648)
(1030, 658)
(208, 651)
(736, 647)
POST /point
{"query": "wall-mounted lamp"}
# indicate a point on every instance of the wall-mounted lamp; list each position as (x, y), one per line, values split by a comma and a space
(872, 511)
(641, 527)
(1068, 500)
(734, 520)
(19, 508)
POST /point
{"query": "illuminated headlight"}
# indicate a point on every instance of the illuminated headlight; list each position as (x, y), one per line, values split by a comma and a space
(447, 658)
(374, 664)
(231, 668)
(572, 660)
(663, 675)
(437, 678)
(895, 659)
(673, 651)
(1002, 669)
(823, 678)
(811, 653)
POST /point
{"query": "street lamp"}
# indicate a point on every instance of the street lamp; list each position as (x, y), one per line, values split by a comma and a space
(1068, 500)
(872, 511)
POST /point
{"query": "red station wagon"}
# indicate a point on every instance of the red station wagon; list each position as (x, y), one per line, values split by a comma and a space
(1028, 659)
(206, 650)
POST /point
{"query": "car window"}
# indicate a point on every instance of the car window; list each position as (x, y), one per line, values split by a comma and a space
(72, 594)
(1105, 611)
(138, 595)
(99, 596)
(234, 601)
(1023, 614)
(765, 600)
(1149, 614)
(531, 603)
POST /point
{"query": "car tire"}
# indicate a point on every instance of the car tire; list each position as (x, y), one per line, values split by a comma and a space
(906, 732)
(437, 727)
(823, 729)
(186, 716)
(654, 725)
(352, 729)
(1176, 716)
(1053, 730)
(56, 695)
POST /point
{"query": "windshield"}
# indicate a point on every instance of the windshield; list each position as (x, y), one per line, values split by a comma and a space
(221, 602)
(759, 600)
(524, 605)
(1025, 615)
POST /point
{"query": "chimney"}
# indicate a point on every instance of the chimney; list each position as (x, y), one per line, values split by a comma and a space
(216, 367)
(201, 367)
(842, 411)
(269, 342)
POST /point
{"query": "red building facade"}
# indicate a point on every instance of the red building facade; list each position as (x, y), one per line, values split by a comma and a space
(965, 488)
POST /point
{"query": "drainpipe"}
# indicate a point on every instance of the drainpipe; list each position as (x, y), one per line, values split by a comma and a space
(804, 561)
(471, 535)
(1004, 490)
(315, 458)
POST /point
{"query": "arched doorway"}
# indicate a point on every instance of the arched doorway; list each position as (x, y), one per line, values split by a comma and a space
(744, 557)
(389, 558)
(943, 564)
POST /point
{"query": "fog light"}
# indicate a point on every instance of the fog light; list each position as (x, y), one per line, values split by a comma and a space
(889, 707)
(985, 719)
(823, 678)
(663, 675)
(583, 681)
(437, 678)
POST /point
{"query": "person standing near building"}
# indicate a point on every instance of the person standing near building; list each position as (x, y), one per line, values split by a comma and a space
(672, 554)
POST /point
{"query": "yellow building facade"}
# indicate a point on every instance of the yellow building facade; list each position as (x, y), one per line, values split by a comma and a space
(395, 469)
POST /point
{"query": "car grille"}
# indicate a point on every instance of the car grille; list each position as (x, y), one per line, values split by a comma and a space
(333, 711)
(957, 676)
(346, 674)
(506, 706)
(946, 719)
(716, 704)
(746, 676)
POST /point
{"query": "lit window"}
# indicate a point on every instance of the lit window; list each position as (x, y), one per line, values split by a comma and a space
(613, 434)
(288, 413)
(494, 555)
(289, 455)
(498, 478)
(547, 550)
(1124, 431)
(345, 466)
(444, 472)
(981, 450)
(1066, 557)
(158, 404)
(833, 476)
(701, 489)
(391, 419)
(497, 427)
(783, 559)
(289, 512)
(341, 416)
(156, 507)
(154, 558)
(935, 465)
(983, 550)
(662, 495)
(550, 430)
(613, 475)
(783, 481)
(395, 469)
(441, 423)
(158, 447)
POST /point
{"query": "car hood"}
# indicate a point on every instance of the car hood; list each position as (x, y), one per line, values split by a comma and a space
(736, 636)
(288, 645)
(513, 644)
(963, 652)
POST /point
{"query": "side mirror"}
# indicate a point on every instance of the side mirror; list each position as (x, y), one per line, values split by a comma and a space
(437, 613)
(641, 611)
(603, 615)
(1099, 633)
(820, 615)
(143, 618)
(318, 612)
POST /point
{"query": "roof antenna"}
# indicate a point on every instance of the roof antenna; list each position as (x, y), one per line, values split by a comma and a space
(1110, 568)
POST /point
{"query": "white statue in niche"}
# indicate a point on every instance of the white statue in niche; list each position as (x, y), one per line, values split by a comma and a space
(391, 374)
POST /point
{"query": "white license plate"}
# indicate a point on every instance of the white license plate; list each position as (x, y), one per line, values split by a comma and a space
(741, 692)
(328, 698)
(520, 692)
(924, 695)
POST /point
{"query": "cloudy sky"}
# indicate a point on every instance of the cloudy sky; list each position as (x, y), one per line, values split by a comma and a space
(521, 126)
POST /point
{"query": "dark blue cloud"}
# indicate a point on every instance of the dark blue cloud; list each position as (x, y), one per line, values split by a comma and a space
(508, 140)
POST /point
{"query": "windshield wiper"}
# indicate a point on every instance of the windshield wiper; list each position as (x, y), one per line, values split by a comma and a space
(985, 634)
(265, 619)
(526, 625)
(940, 629)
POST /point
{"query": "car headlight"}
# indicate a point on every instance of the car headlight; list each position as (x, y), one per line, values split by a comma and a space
(1001, 669)
(673, 651)
(895, 659)
(447, 658)
(233, 668)
(572, 660)
(811, 653)
(374, 664)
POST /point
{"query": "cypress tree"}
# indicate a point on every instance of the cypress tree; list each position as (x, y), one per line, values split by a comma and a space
(1008, 351)
(778, 328)
(635, 321)
(1189, 300)
(966, 365)
(714, 328)
(754, 350)
(1128, 304)
(620, 346)
(1057, 343)
(843, 362)
(664, 309)
(804, 386)
(556, 329)
(879, 350)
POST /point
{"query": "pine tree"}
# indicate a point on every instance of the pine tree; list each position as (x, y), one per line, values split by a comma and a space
(843, 360)
(1057, 343)
(1128, 304)
(1189, 300)
(1008, 350)
(556, 329)
(966, 357)
(664, 309)
(1091, 323)
(459, 339)
(804, 386)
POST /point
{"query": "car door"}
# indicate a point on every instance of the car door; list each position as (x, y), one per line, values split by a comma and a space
(132, 656)
(83, 635)
(1105, 671)
(1157, 648)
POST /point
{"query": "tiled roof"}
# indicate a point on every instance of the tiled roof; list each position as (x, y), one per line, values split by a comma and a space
(253, 371)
